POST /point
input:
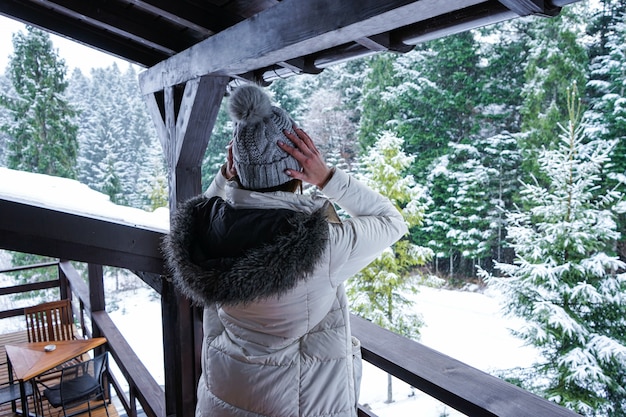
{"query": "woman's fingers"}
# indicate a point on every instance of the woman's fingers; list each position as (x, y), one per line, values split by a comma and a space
(314, 169)
(305, 139)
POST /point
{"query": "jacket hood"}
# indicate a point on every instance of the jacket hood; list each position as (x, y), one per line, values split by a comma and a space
(217, 253)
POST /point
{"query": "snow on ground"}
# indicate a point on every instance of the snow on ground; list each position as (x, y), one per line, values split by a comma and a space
(467, 326)
(138, 317)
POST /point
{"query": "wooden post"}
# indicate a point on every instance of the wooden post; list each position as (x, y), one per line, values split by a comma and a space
(184, 119)
(65, 291)
(96, 287)
(96, 298)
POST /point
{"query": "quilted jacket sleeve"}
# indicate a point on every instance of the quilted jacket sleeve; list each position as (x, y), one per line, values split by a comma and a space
(374, 225)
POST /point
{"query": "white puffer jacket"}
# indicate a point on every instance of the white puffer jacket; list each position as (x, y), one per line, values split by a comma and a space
(278, 347)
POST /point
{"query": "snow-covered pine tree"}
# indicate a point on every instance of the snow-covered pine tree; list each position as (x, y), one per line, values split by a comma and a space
(556, 59)
(566, 282)
(502, 158)
(607, 83)
(146, 163)
(120, 154)
(607, 89)
(376, 111)
(503, 51)
(377, 292)
(434, 95)
(42, 133)
(459, 226)
(5, 118)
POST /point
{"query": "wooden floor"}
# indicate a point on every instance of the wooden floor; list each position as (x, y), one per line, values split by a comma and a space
(6, 410)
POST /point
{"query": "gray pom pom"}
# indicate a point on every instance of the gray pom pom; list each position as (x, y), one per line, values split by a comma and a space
(249, 104)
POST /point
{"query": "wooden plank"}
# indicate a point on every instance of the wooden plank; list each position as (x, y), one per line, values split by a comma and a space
(466, 389)
(363, 412)
(16, 289)
(122, 24)
(27, 267)
(158, 116)
(196, 118)
(46, 19)
(291, 29)
(31, 229)
(155, 281)
(78, 286)
(205, 19)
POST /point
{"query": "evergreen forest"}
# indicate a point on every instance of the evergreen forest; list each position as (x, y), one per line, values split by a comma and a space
(504, 147)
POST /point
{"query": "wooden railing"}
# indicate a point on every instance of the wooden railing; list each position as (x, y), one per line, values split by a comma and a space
(99, 242)
(454, 383)
(142, 387)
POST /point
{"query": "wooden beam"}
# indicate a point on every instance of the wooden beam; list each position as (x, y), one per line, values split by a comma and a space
(120, 24)
(69, 28)
(291, 29)
(196, 118)
(32, 229)
(184, 118)
(155, 281)
(206, 19)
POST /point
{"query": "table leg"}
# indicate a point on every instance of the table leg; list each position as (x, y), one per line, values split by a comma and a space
(23, 398)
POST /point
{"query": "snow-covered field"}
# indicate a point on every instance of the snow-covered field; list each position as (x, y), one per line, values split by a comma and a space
(467, 326)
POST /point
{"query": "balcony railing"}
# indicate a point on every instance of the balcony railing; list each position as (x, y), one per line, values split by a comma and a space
(454, 383)
(142, 387)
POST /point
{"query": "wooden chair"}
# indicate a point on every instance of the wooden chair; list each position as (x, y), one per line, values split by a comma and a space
(50, 321)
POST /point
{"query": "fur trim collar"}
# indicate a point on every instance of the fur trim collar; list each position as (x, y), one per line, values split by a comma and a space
(217, 253)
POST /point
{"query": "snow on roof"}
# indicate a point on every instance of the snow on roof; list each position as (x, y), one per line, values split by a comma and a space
(71, 196)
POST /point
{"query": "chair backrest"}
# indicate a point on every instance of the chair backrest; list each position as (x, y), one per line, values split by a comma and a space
(79, 383)
(84, 380)
(100, 364)
(50, 321)
(94, 368)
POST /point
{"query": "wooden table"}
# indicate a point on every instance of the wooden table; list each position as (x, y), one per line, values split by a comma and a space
(29, 360)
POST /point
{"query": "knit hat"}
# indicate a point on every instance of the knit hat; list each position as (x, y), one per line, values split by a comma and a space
(259, 162)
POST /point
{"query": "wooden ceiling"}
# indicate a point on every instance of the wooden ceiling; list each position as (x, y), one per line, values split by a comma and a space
(274, 37)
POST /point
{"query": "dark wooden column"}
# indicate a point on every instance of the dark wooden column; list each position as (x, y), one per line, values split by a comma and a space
(96, 298)
(185, 115)
(64, 289)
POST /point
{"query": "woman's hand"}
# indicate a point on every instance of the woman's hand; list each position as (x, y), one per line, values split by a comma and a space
(228, 169)
(314, 169)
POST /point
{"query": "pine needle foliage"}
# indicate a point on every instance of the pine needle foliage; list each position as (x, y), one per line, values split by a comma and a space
(566, 281)
(376, 293)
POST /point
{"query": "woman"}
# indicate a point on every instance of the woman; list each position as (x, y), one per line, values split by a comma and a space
(268, 265)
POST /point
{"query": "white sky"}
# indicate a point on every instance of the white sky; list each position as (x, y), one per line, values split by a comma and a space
(74, 54)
